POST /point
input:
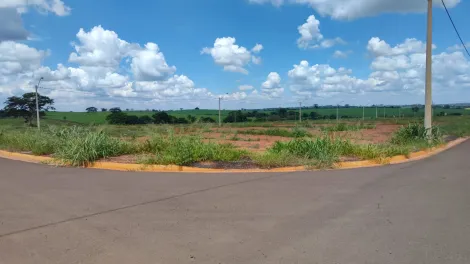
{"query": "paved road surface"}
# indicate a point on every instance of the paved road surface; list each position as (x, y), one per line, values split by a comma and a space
(410, 213)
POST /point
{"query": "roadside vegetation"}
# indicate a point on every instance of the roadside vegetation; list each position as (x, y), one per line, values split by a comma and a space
(181, 138)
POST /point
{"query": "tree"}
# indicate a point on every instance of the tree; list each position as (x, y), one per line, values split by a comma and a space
(117, 118)
(415, 109)
(446, 106)
(145, 119)
(191, 119)
(161, 117)
(25, 106)
(282, 112)
(235, 116)
(314, 115)
(206, 120)
(115, 110)
(315, 106)
(92, 109)
(104, 109)
(197, 108)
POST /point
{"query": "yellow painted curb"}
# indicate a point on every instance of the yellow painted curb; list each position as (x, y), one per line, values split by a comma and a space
(174, 168)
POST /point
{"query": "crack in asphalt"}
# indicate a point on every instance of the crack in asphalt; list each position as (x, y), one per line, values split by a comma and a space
(138, 204)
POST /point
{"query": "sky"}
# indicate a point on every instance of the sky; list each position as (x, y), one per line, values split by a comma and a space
(161, 54)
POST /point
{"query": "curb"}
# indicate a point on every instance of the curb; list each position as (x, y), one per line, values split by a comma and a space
(174, 168)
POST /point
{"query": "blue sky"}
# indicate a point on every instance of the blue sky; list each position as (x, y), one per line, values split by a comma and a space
(183, 28)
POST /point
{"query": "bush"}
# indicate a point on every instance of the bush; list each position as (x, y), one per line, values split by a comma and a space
(185, 150)
(296, 132)
(415, 132)
(89, 147)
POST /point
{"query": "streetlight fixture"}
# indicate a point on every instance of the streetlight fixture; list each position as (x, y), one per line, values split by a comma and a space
(37, 104)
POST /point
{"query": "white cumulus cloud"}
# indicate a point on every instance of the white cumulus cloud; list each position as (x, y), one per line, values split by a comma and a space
(311, 37)
(232, 57)
(353, 9)
(272, 86)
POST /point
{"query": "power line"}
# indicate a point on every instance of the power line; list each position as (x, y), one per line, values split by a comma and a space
(455, 28)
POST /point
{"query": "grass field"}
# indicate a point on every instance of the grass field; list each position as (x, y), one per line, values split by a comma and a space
(82, 139)
(370, 113)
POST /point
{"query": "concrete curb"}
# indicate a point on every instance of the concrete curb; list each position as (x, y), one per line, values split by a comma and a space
(174, 168)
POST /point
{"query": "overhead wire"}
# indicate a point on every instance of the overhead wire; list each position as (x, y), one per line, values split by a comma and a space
(455, 28)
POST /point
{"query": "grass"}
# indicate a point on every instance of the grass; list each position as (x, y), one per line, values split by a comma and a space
(347, 127)
(295, 132)
(187, 149)
(76, 146)
(184, 145)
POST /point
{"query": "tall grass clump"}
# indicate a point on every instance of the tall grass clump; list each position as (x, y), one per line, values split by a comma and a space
(324, 150)
(187, 149)
(30, 140)
(415, 133)
(86, 147)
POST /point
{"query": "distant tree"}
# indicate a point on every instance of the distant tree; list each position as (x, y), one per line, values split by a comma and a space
(235, 116)
(282, 112)
(104, 109)
(161, 117)
(115, 110)
(197, 108)
(181, 109)
(127, 109)
(92, 109)
(117, 118)
(145, 119)
(131, 120)
(64, 117)
(191, 119)
(346, 106)
(2, 114)
(446, 106)
(206, 120)
(315, 106)
(332, 116)
(314, 115)
(25, 106)
(415, 109)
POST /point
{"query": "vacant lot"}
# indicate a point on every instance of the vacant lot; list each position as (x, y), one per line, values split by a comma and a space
(316, 144)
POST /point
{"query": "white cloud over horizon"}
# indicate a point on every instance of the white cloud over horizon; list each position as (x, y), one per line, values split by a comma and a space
(354, 9)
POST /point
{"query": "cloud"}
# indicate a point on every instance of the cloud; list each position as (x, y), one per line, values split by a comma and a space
(393, 69)
(322, 80)
(56, 7)
(11, 24)
(272, 86)
(245, 87)
(353, 9)
(311, 37)
(338, 54)
(149, 64)
(232, 57)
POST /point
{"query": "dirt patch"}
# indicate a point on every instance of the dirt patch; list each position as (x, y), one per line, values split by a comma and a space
(128, 159)
(242, 164)
(250, 142)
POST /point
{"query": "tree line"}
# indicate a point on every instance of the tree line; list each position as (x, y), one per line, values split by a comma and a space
(117, 117)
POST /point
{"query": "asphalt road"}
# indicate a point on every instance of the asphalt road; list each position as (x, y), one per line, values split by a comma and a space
(413, 213)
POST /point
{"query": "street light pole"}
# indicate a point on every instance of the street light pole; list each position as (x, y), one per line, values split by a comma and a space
(37, 104)
(300, 112)
(376, 112)
(363, 113)
(428, 92)
(337, 113)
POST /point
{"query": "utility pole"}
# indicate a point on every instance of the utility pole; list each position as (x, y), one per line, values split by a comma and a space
(384, 111)
(376, 112)
(220, 120)
(300, 112)
(363, 113)
(37, 104)
(428, 93)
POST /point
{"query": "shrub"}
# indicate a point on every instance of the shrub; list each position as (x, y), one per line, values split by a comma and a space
(185, 149)
(415, 132)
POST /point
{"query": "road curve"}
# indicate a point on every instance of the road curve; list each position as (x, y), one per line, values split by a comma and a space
(417, 212)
